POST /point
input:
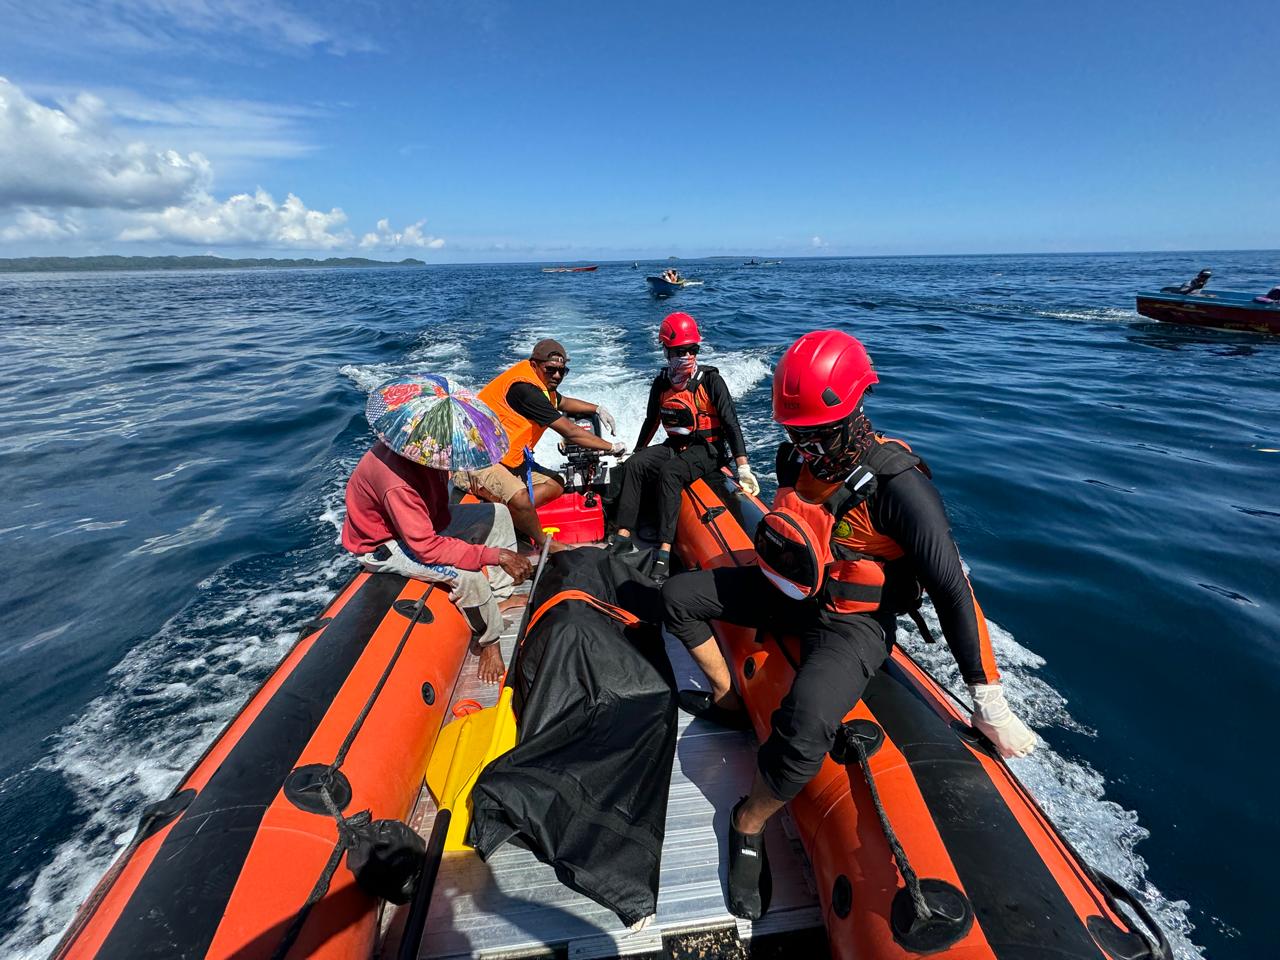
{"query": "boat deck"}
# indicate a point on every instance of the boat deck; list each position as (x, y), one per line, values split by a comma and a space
(514, 906)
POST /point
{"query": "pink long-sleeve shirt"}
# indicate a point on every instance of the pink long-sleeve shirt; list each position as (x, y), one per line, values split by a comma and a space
(391, 498)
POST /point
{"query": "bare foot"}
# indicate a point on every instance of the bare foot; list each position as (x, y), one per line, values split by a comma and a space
(517, 602)
(491, 666)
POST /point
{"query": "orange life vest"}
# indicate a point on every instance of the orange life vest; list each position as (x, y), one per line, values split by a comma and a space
(521, 431)
(688, 413)
(838, 512)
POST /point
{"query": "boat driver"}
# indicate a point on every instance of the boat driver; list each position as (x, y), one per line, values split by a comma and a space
(696, 409)
(856, 531)
(527, 401)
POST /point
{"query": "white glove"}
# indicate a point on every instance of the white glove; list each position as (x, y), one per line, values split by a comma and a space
(747, 480)
(606, 419)
(992, 716)
(619, 449)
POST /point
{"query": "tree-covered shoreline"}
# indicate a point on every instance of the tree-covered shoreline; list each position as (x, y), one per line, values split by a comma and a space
(59, 264)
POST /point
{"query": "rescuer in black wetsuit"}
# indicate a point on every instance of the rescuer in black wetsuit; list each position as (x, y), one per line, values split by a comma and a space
(856, 531)
(694, 406)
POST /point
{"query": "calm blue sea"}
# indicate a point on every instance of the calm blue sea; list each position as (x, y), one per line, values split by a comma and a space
(174, 446)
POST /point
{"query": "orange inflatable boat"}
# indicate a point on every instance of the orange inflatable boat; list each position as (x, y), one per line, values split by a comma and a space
(921, 839)
(997, 878)
(242, 860)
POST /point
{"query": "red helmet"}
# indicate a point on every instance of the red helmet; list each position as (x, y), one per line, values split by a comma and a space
(821, 379)
(679, 330)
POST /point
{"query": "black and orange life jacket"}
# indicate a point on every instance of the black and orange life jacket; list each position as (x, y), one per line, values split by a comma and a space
(688, 414)
(838, 512)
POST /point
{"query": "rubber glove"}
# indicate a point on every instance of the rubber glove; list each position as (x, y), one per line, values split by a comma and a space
(992, 716)
(606, 419)
(747, 480)
(619, 449)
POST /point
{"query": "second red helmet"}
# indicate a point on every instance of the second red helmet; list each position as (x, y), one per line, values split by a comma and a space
(679, 330)
(821, 379)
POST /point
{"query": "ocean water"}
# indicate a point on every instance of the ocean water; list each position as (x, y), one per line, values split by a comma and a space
(174, 448)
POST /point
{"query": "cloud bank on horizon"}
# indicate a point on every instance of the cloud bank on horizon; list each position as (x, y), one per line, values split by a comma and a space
(68, 173)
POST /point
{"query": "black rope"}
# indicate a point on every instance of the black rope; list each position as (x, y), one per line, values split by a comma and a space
(347, 826)
(899, 855)
(382, 682)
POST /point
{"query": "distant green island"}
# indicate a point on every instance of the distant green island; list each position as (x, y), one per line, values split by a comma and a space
(51, 264)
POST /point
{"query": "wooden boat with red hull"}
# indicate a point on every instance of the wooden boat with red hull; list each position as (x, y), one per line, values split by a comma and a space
(1222, 309)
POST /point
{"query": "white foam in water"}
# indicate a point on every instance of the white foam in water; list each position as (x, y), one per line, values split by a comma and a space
(167, 700)
(172, 694)
(1070, 791)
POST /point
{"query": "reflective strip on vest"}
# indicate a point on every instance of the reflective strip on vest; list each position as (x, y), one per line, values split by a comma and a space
(708, 422)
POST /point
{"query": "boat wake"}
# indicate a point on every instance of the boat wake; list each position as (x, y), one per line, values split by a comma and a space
(173, 692)
(1070, 792)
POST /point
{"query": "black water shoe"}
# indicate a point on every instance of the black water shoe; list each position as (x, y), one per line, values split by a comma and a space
(621, 546)
(750, 882)
(661, 567)
(698, 703)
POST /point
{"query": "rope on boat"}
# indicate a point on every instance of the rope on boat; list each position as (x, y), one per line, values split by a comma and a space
(923, 912)
(348, 827)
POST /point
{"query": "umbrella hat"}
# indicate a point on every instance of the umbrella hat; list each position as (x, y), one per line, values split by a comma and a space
(426, 420)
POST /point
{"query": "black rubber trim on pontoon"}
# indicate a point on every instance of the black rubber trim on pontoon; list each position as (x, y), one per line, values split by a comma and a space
(179, 903)
(1016, 899)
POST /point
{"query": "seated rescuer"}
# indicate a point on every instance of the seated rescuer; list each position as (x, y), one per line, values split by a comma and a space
(695, 407)
(856, 530)
(527, 401)
(399, 521)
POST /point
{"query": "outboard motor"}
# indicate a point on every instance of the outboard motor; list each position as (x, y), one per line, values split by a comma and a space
(578, 513)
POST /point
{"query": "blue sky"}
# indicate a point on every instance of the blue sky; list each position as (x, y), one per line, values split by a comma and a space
(482, 131)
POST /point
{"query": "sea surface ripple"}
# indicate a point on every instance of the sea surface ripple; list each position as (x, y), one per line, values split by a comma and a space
(175, 446)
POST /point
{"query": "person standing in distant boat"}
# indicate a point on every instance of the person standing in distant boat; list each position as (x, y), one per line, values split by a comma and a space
(857, 529)
(671, 276)
(527, 401)
(399, 521)
(1193, 287)
(694, 405)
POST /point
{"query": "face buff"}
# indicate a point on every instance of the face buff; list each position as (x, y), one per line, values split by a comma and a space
(680, 369)
(833, 451)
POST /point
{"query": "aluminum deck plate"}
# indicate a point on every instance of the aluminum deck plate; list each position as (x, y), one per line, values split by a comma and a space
(514, 906)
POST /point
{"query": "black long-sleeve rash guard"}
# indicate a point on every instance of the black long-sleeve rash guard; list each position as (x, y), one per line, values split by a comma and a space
(907, 509)
(720, 397)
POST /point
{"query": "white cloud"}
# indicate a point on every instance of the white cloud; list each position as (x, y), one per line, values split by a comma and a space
(243, 220)
(817, 242)
(71, 158)
(218, 28)
(31, 225)
(386, 238)
(67, 174)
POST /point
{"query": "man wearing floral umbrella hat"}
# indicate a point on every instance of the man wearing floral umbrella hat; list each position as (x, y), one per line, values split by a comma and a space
(399, 519)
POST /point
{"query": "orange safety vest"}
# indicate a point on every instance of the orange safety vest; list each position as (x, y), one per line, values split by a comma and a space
(838, 512)
(690, 410)
(521, 431)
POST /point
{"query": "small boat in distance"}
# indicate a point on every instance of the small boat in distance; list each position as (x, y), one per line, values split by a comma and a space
(593, 267)
(662, 287)
(1225, 309)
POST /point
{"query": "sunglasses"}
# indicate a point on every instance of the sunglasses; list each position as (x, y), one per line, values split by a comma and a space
(814, 442)
(688, 351)
(556, 371)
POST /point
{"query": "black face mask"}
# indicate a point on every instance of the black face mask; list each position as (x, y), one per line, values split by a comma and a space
(832, 451)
